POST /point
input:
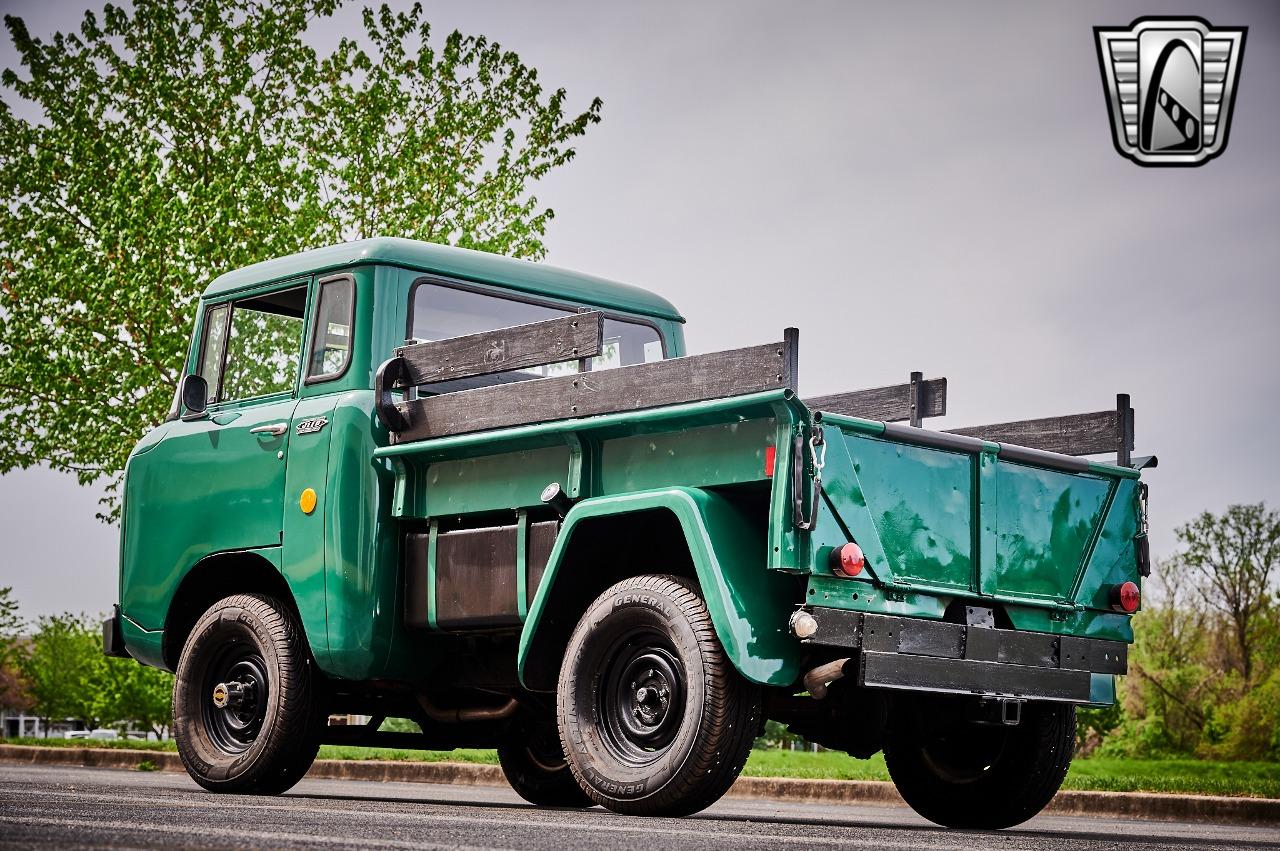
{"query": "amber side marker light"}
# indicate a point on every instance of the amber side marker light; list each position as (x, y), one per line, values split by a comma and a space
(848, 560)
(1125, 597)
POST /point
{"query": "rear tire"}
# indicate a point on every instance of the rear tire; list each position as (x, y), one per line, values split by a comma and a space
(961, 774)
(534, 763)
(654, 718)
(245, 711)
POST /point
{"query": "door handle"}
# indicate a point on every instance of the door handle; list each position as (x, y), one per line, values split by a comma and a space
(274, 429)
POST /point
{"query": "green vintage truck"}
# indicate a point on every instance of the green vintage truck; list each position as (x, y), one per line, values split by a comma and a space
(498, 499)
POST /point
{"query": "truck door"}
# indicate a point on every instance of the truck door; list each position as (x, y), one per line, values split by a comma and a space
(252, 386)
(216, 482)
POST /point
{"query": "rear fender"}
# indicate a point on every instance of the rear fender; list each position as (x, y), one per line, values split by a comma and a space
(749, 604)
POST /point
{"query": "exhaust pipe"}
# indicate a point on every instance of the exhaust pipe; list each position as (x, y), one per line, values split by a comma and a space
(817, 680)
(454, 716)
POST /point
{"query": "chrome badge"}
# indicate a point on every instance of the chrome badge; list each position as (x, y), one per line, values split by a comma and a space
(1170, 85)
(312, 426)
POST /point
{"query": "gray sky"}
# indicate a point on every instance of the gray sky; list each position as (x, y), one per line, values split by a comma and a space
(915, 186)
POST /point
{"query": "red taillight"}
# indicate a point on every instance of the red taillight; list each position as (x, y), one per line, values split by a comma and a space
(1126, 597)
(848, 560)
(770, 456)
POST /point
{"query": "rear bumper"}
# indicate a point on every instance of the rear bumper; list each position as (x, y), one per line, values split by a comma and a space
(913, 654)
(113, 637)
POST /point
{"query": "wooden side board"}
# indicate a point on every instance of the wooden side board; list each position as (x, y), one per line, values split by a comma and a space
(630, 388)
(1075, 434)
(912, 402)
(522, 346)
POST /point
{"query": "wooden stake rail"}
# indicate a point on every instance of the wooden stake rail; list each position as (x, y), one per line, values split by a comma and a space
(564, 338)
(695, 378)
(912, 402)
(630, 388)
(1075, 434)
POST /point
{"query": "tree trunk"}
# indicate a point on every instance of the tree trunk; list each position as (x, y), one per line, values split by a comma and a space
(1242, 643)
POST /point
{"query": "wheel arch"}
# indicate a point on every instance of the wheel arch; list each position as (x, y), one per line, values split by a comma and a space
(211, 579)
(688, 532)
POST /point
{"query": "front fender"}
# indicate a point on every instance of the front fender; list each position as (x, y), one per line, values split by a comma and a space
(749, 604)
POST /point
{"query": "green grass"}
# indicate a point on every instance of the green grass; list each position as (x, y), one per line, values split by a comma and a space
(483, 757)
(1188, 776)
(824, 765)
(326, 751)
(124, 744)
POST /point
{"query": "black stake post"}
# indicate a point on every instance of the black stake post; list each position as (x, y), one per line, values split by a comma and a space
(791, 359)
(1124, 425)
(917, 389)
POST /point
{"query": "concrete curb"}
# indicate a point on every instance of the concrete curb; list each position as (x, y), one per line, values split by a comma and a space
(97, 757)
(1124, 805)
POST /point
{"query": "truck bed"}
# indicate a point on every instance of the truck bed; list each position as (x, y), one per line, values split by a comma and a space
(1038, 538)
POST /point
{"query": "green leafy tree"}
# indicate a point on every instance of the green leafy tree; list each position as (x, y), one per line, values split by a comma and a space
(1204, 673)
(1236, 557)
(1094, 725)
(161, 144)
(138, 694)
(70, 678)
(162, 150)
(14, 694)
(66, 670)
(439, 143)
(11, 624)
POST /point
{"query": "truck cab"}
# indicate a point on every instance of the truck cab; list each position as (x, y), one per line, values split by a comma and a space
(500, 500)
(288, 350)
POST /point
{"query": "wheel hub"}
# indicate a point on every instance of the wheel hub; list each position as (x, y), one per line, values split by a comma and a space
(643, 699)
(234, 694)
(652, 698)
(238, 698)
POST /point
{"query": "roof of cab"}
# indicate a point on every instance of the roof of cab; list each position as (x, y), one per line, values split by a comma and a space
(462, 263)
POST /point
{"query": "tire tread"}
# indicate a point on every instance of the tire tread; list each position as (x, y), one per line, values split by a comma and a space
(294, 735)
(730, 713)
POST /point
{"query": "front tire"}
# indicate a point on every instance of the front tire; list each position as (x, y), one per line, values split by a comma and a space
(962, 774)
(654, 718)
(245, 711)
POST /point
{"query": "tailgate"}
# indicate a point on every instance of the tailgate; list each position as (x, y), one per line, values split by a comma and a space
(953, 514)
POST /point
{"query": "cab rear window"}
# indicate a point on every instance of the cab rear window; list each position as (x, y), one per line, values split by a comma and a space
(439, 312)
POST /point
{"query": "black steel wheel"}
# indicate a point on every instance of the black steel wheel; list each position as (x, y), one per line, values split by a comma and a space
(958, 773)
(654, 718)
(239, 692)
(642, 697)
(533, 762)
(246, 715)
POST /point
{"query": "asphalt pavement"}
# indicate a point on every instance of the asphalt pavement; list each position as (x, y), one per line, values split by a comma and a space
(64, 807)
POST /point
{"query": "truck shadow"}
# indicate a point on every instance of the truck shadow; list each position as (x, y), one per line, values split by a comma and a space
(1152, 834)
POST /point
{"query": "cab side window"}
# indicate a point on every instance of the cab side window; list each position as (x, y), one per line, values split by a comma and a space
(261, 345)
(215, 342)
(331, 335)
